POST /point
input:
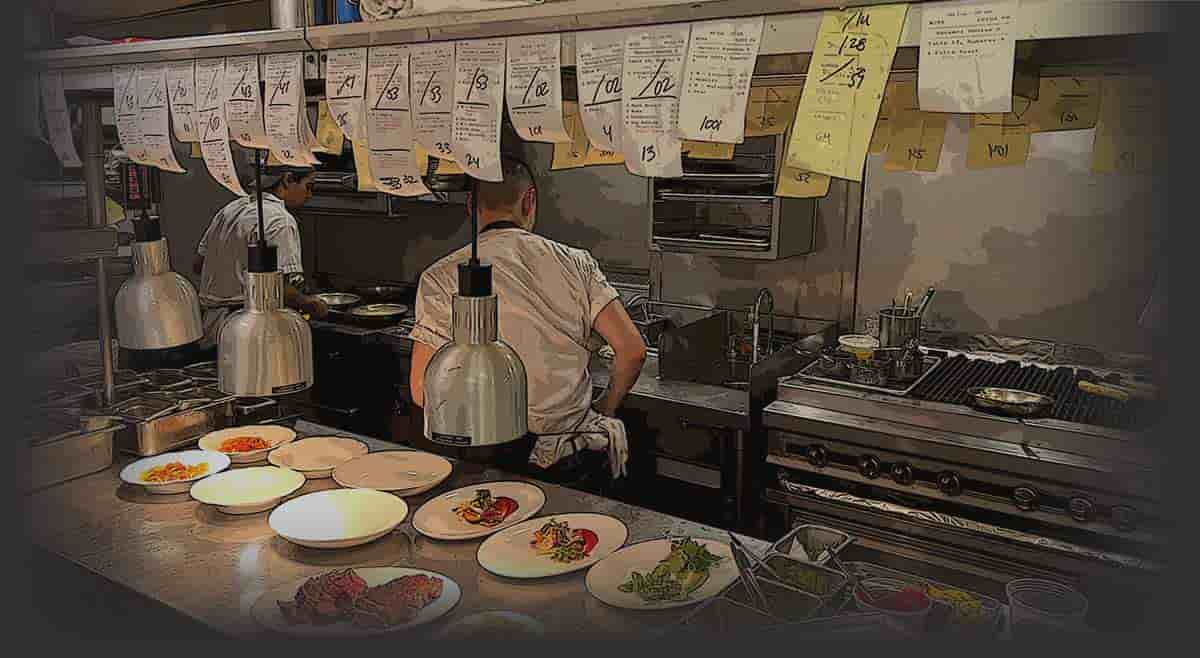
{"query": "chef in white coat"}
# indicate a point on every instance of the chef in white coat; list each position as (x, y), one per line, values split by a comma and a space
(551, 297)
(221, 255)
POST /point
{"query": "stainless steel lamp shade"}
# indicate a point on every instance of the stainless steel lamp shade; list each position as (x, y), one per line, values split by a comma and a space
(475, 386)
(264, 349)
(156, 308)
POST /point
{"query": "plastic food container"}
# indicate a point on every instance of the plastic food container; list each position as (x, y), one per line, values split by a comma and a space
(907, 621)
(860, 345)
(809, 578)
(784, 602)
(722, 616)
(1045, 605)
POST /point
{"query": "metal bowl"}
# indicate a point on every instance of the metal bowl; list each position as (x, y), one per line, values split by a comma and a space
(338, 299)
(1009, 401)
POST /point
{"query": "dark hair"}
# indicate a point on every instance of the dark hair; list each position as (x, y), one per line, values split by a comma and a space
(504, 194)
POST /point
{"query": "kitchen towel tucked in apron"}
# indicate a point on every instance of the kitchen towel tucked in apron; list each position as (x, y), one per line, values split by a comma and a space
(595, 432)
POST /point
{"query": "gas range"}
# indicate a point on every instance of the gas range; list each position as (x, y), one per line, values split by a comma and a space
(1081, 483)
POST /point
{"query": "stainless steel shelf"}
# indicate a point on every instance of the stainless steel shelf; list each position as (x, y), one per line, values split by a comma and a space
(260, 42)
(791, 27)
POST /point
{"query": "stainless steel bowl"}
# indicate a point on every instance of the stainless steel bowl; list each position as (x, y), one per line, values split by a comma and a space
(338, 300)
(1010, 401)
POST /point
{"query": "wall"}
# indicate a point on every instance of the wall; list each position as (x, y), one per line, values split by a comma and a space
(1048, 250)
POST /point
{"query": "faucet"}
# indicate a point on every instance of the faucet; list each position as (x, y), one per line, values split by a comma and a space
(756, 319)
(641, 300)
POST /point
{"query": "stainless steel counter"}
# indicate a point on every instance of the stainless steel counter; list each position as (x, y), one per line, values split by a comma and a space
(648, 386)
(705, 396)
(212, 567)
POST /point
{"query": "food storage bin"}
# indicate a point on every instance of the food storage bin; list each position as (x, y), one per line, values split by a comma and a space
(907, 621)
(811, 537)
(808, 578)
(786, 603)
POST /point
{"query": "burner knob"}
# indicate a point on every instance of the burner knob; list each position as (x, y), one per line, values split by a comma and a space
(868, 466)
(817, 456)
(1025, 498)
(949, 483)
(1124, 518)
(1081, 508)
(902, 473)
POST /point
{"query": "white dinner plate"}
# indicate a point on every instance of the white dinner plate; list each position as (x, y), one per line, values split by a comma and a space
(493, 625)
(509, 553)
(339, 518)
(402, 472)
(274, 435)
(604, 579)
(436, 518)
(266, 609)
(247, 490)
(317, 456)
(133, 473)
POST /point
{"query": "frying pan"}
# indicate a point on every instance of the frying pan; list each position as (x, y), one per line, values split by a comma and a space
(338, 300)
(1009, 401)
(383, 293)
(377, 313)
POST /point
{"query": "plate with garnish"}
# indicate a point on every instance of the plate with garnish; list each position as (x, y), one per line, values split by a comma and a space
(478, 510)
(663, 573)
(551, 545)
(247, 444)
(174, 472)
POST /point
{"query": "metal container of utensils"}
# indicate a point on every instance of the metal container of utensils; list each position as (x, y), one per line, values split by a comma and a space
(900, 325)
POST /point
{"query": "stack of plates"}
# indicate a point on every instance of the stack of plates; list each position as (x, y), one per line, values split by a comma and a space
(317, 456)
(340, 518)
(401, 472)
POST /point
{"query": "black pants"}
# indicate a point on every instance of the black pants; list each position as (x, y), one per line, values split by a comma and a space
(586, 470)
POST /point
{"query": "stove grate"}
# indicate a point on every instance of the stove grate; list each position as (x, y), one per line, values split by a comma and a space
(954, 376)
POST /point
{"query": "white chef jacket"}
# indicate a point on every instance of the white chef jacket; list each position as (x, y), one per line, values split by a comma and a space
(549, 296)
(233, 228)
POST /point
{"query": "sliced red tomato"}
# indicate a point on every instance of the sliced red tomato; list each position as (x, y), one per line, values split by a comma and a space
(590, 539)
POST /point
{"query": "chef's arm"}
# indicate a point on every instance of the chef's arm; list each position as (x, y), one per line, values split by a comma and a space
(293, 298)
(629, 353)
(421, 353)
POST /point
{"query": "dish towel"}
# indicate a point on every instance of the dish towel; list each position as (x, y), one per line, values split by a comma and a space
(595, 432)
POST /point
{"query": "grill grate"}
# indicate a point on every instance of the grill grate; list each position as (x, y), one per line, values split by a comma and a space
(954, 376)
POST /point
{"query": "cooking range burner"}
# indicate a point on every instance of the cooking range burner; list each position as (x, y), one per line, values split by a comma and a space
(951, 380)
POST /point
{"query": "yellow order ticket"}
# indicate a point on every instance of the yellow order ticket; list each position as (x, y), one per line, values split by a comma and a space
(844, 89)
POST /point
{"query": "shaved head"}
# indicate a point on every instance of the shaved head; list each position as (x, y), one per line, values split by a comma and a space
(505, 195)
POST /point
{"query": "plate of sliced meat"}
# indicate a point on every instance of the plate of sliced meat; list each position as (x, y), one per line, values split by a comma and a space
(357, 602)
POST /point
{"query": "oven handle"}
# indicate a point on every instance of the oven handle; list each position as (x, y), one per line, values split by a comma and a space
(729, 198)
(959, 523)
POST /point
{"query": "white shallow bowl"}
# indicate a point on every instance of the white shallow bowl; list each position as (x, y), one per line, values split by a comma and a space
(266, 609)
(274, 435)
(317, 456)
(436, 518)
(132, 474)
(402, 472)
(604, 579)
(247, 490)
(339, 518)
